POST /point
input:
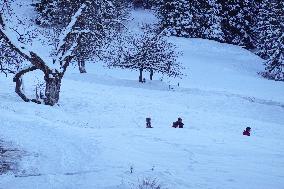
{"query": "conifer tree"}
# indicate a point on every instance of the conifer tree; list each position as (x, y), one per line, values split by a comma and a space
(176, 17)
(215, 22)
(192, 18)
(207, 18)
(270, 32)
(237, 22)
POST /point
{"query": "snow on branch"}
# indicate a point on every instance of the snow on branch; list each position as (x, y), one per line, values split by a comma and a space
(69, 52)
(68, 30)
(21, 50)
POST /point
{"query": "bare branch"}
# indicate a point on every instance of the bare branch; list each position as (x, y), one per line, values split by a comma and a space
(12, 46)
(17, 79)
(67, 32)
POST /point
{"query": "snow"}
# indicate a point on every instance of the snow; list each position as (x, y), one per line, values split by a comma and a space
(239, 69)
(97, 132)
(140, 17)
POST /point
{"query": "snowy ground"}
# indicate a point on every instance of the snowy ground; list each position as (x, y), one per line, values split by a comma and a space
(97, 133)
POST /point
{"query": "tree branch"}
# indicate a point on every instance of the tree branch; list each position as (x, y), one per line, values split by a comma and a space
(12, 46)
(17, 79)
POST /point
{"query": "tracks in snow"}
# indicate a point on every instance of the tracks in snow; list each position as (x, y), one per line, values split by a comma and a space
(161, 86)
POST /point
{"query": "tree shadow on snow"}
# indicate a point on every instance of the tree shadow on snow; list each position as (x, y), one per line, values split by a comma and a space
(9, 158)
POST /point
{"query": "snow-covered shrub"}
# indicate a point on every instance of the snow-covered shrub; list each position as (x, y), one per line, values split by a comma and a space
(148, 183)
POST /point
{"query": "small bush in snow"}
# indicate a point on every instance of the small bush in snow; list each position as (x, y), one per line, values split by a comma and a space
(149, 183)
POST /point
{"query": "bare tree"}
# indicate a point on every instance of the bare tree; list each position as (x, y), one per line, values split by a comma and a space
(53, 72)
(9, 60)
(148, 51)
(102, 17)
(86, 30)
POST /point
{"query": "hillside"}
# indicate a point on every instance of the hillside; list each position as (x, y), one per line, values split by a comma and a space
(97, 134)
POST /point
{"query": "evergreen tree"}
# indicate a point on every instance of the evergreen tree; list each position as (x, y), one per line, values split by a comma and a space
(147, 4)
(270, 31)
(255, 11)
(237, 22)
(192, 18)
(214, 20)
(275, 64)
(207, 19)
(176, 17)
(197, 10)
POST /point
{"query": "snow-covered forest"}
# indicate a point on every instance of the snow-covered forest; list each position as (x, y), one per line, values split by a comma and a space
(141, 94)
(257, 25)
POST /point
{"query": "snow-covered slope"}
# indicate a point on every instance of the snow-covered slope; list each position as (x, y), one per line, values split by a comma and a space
(97, 133)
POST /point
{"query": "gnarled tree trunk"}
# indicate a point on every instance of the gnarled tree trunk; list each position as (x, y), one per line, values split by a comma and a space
(52, 89)
(64, 56)
(18, 80)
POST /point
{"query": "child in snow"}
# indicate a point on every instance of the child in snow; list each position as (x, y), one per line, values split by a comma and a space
(178, 123)
(247, 131)
(148, 123)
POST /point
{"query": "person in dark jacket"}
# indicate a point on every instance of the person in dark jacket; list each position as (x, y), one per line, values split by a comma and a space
(148, 122)
(178, 123)
(247, 131)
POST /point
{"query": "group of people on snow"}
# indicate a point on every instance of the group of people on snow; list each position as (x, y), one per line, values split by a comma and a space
(176, 124)
(180, 124)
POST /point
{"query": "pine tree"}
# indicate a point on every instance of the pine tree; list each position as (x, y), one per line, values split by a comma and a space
(237, 22)
(207, 19)
(214, 31)
(176, 17)
(255, 11)
(192, 18)
(197, 9)
(270, 31)
(275, 64)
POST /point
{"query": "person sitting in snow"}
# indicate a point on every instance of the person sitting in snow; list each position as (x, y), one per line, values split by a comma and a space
(148, 123)
(178, 123)
(247, 131)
